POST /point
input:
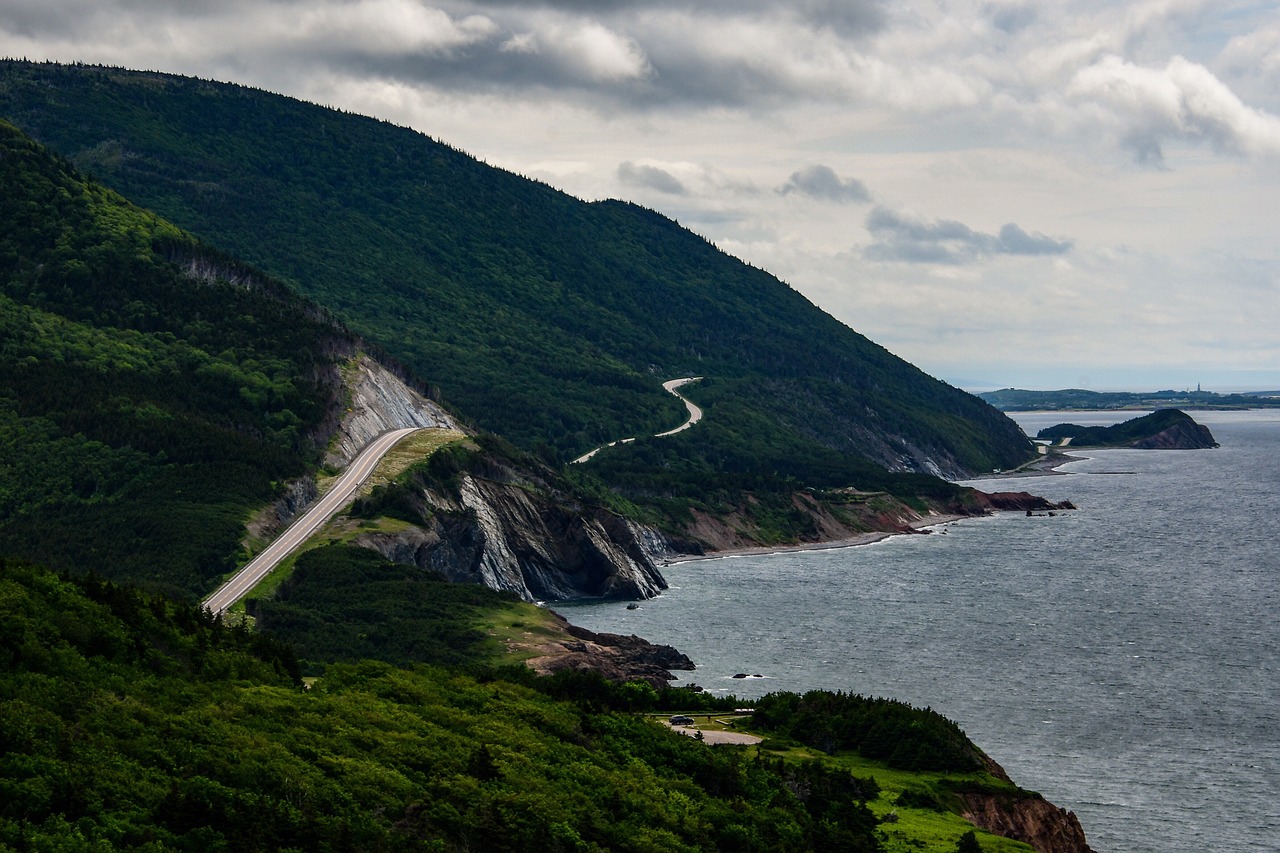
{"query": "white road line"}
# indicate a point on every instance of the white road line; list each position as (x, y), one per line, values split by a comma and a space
(343, 489)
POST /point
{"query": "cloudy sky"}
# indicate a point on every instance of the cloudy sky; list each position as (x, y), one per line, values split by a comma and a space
(1005, 192)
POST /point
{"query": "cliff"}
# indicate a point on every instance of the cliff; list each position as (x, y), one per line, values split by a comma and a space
(379, 401)
(480, 511)
(1183, 435)
(1030, 819)
(508, 537)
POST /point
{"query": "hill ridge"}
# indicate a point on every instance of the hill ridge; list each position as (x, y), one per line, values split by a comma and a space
(543, 317)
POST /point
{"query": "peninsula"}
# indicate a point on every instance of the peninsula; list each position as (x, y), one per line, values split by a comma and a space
(1164, 429)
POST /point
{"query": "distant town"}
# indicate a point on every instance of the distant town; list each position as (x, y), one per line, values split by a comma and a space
(1016, 400)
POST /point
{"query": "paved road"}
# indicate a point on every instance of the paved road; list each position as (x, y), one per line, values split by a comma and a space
(695, 415)
(301, 529)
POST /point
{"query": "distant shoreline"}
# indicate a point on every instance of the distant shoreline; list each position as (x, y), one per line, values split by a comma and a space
(1044, 466)
(921, 526)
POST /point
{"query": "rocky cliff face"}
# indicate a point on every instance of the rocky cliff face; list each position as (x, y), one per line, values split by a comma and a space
(508, 536)
(1030, 819)
(1183, 435)
(379, 401)
(614, 656)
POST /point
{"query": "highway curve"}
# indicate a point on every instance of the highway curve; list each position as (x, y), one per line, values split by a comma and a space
(695, 415)
(343, 489)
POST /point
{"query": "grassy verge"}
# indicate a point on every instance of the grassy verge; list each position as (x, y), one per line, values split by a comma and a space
(918, 810)
(411, 450)
(518, 631)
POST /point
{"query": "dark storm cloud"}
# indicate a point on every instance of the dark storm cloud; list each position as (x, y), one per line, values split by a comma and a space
(651, 177)
(944, 241)
(822, 182)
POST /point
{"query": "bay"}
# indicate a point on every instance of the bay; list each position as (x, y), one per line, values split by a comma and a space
(1120, 659)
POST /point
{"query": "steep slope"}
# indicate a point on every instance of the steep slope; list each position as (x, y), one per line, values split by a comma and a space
(155, 396)
(152, 392)
(544, 318)
(128, 721)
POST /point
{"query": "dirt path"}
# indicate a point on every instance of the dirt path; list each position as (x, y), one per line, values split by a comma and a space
(714, 737)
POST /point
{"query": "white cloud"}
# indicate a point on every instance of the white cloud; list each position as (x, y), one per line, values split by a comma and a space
(1182, 101)
(384, 27)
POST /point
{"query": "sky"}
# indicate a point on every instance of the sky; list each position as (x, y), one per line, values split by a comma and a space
(1007, 193)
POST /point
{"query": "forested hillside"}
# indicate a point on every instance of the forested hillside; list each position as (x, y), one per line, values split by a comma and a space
(546, 319)
(153, 393)
(131, 722)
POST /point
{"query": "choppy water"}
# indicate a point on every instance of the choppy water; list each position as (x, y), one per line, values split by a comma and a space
(1121, 659)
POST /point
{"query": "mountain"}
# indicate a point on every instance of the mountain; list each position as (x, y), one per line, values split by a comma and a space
(546, 319)
(164, 409)
(152, 391)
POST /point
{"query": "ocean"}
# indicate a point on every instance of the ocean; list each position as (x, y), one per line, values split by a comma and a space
(1120, 659)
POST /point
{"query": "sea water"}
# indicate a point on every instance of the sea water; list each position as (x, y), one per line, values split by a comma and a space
(1121, 659)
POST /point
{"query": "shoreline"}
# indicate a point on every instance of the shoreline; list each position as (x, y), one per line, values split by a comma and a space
(922, 525)
(1044, 466)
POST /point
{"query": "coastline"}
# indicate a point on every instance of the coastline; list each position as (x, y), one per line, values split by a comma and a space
(922, 525)
(1043, 466)
(1046, 465)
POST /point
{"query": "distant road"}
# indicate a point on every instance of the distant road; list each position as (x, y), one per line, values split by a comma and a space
(695, 415)
(302, 528)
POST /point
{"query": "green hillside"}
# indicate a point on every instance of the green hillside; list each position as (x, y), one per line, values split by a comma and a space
(131, 722)
(145, 409)
(543, 318)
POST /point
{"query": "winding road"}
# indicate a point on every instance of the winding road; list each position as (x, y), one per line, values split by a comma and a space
(695, 415)
(343, 489)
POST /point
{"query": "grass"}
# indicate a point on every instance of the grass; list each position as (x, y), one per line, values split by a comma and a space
(409, 451)
(916, 830)
(520, 630)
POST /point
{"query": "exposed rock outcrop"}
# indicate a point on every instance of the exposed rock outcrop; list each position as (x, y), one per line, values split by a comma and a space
(1029, 819)
(380, 401)
(508, 536)
(1183, 435)
(614, 656)
(1019, 501)
(298, 495)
